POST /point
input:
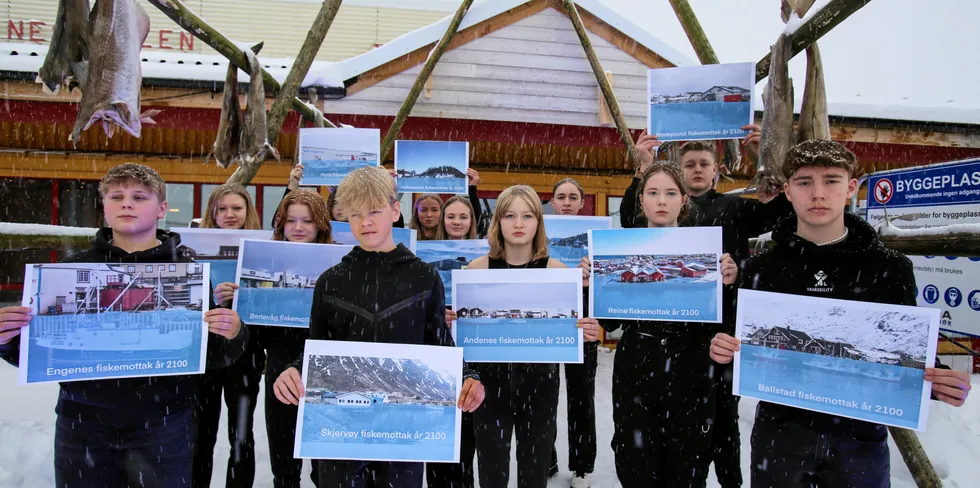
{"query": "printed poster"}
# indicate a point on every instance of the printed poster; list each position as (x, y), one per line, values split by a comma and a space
(446, 256)
(342, 235)
(853, 359)
(700, 102)
(218, 248)
(661, 274)
(328, 155)
(432, 166)
(276, 280)
(950, 285)
(568, 236)
(101, 321)
(380, 402)
(518, 315)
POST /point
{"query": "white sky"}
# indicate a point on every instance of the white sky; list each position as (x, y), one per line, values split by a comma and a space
(908, 52)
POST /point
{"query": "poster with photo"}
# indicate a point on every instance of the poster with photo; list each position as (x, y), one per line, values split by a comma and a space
(328, 155)
(568, 236)
(342, 235)
(276, 280)
(100, 321)
(708, 102)
(380, 402)
(432, 166)
(218, 248)
(446, 256)
(518, 315)
(670, 274)
(853, 359)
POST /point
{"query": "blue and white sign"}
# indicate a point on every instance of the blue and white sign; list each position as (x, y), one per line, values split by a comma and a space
(700, 102)
(446, 256)
(276, 280)
(342, 235)
(931, 196)
(518, 315)
(328, 155)
(380, 402)
(853, 359)
(100, 321)
(432, 166)
(568, 236)
(218, 248)
(670, 274)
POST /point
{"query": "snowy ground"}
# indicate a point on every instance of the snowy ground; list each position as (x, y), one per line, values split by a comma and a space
(27, 429)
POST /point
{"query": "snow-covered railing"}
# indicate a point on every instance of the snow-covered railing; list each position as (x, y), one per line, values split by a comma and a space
(946, 240)
(16, 237)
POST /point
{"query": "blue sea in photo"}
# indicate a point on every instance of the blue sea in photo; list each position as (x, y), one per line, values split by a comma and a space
(692, 301)
(569, 255)
(432, 185)
(330, 171)
(222, 270)
(170, 341)
(434, 424)
(342, 235)
(284, 307)
(894, 393)
(559, 337)
(445, 256)
(699, 120)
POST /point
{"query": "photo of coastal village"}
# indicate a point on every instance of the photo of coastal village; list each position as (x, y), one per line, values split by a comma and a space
(359, 382)
(432, 166)
(447, 256)
(568, 236)
(516, 302)
(700, 102)
(218, 248)
(658, 268)
(328, 155)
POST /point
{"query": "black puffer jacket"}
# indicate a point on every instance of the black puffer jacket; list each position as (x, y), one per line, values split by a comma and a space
(130, 401)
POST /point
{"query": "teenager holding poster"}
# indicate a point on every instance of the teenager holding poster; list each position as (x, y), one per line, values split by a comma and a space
(301, 217)
(660, 439)
(229, 207)
(825, 252)
(407, 296)
(527, 394)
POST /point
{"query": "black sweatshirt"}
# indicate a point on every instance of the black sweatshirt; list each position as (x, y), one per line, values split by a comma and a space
(130, 401)
(389, 297)
(860, 268)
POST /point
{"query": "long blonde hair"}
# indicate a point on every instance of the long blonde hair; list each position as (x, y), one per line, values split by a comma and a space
(540, 244)
(210, 221)
(441, 234)
(415, 223)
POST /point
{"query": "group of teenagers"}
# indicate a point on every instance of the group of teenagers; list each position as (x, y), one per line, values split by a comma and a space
(672, 408)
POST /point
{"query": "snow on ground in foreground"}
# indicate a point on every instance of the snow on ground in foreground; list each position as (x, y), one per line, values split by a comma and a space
(27, 432)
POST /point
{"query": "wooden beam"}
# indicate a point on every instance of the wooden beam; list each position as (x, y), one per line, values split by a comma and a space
(915, 458)
(604, 87)
(430, 64)
(692, 27)
(965, 245)
(616, 37)
(184, 17)
(821, 23)
(301, 66)
(418, 56)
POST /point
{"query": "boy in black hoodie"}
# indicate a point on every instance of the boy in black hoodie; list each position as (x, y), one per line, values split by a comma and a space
(825, 252)
(129, 431)
(380, 292)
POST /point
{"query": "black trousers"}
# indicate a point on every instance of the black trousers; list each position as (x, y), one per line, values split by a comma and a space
(280, 426)
(726, 441)
(788, 454)
(521, 399)
(240, 385)
(456, 475)
(580, 405)
(367, 474)
(663, 407)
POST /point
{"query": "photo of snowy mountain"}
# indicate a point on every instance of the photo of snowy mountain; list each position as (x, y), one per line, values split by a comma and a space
(396, 380)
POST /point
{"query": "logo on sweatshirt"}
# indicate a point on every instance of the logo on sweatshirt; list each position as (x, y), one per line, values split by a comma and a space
(821, 283)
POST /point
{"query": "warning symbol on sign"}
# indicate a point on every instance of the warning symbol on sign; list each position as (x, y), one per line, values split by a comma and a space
(883, 191)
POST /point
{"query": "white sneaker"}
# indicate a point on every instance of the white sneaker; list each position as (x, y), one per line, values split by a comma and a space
(581, 480)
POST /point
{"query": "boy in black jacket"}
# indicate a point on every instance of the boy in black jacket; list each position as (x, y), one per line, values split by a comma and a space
(380, 292)
(825, 252)
(129, 431)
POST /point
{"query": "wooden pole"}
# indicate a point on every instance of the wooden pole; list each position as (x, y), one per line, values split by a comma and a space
(964, 245)
(185, 18)
(692, 27)
(915, 458)
(821, 23)
(301, 66)
(604, 86)
(413, 94)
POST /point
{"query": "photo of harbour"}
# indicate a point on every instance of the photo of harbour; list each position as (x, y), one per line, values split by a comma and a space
(328, 155)
(700, 102)
(432, 166)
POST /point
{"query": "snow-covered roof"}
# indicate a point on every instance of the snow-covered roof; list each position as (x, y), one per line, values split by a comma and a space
(177, 65)
(485, 10)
